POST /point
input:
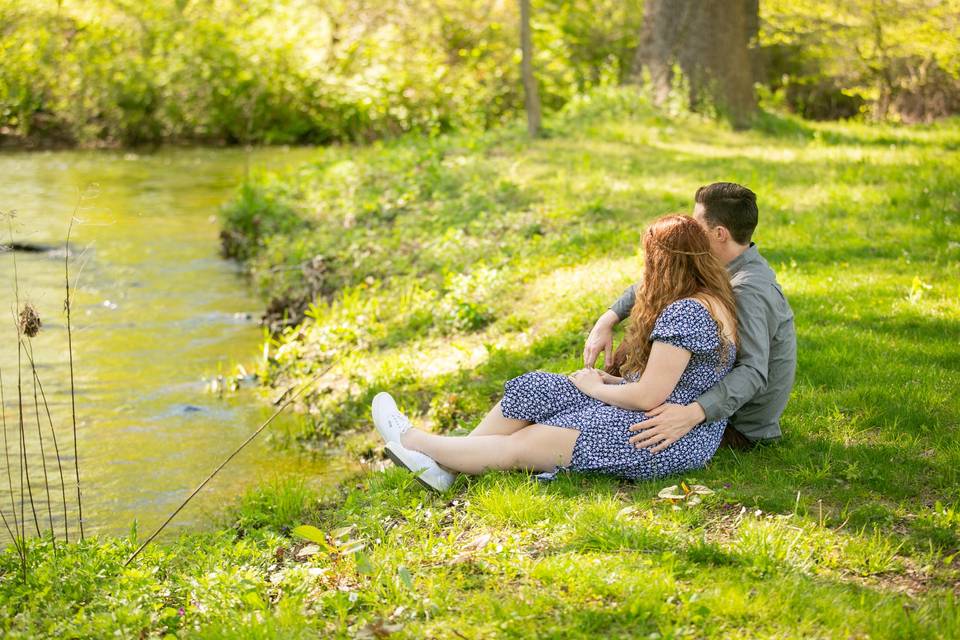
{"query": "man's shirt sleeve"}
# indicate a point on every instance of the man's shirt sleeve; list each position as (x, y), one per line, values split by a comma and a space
(749, 374)
(624, 303)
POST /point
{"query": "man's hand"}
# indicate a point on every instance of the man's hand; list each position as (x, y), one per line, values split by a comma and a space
(666, 424)
(600, 339)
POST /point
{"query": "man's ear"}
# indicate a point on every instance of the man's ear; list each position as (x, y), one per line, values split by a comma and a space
(721, 233)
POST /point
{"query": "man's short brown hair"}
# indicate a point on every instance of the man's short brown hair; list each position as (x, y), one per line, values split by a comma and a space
(730, 205)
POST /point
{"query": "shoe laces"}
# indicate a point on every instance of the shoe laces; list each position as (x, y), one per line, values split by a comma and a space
(399, 422)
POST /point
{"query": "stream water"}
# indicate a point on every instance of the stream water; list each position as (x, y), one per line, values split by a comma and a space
(156, 311)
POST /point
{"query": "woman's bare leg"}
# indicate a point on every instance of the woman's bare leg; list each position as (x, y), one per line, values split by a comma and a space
(536, 447)
(496, 424)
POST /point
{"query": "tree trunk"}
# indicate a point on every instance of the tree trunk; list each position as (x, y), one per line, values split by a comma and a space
(710, 41)
(531, 97)
(752, 17)
(658, 36)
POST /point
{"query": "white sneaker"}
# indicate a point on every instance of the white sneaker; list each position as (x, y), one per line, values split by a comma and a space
(425, 468)
(387, 417)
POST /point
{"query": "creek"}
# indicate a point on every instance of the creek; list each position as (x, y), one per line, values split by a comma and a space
(157, 314)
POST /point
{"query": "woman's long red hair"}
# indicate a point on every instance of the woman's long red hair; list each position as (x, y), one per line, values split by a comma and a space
(678, 264)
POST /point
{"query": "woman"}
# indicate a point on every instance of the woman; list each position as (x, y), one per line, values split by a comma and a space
(681, 340)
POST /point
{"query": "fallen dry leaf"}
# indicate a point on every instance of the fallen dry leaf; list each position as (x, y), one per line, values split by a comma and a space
(378, 629)
(307, 551)
(479, 542)
(472, 547)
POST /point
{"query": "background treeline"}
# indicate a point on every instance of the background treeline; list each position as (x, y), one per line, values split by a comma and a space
(129, 72)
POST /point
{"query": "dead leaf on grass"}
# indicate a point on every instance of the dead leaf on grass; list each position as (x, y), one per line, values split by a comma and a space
(378, 629)
(309, 550)
(682, 492)
(476, 544)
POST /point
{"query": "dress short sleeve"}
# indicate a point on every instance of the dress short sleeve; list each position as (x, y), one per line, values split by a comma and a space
(687, 324)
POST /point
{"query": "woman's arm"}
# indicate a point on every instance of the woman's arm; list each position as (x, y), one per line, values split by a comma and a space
(664, 368)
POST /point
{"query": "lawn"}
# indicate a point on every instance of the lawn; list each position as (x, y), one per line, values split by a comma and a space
(438, 268)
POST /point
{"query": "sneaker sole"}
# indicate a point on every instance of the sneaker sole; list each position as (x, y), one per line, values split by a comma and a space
(400, 463)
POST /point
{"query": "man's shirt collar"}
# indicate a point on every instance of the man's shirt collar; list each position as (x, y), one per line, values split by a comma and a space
(751, 254)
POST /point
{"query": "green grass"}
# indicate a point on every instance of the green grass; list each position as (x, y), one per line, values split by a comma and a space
(452, 264)
(502, 556)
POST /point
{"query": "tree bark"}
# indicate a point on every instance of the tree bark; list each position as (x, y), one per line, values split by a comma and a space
(710, 41)
(531, 97)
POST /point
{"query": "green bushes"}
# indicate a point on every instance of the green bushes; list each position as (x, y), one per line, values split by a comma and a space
(259, 212)
(882, 58)
(293, 71)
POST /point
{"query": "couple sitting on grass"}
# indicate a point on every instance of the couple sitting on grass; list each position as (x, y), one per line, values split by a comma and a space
(708, 359)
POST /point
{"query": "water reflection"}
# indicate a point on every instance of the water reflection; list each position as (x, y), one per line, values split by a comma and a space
(156, 309)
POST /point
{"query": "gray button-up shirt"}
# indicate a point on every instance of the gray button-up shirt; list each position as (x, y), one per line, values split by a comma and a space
(754, 394)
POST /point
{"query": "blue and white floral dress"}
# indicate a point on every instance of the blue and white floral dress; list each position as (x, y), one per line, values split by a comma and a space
(603, 446)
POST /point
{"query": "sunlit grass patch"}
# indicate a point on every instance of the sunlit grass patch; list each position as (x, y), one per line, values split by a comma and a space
(869, 554)
(277, 504)
(608, 525)
(766, 545)
(515, 500)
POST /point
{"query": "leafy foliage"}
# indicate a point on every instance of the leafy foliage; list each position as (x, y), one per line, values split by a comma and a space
(885, 56)
(231, 71)
(106, 72)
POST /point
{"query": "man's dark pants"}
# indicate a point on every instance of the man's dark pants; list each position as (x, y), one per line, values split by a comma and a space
(735, 440)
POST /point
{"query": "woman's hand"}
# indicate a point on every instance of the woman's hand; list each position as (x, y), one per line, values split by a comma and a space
(609, 378)
(589, 381)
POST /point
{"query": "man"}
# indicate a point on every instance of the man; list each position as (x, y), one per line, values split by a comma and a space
(754, 394)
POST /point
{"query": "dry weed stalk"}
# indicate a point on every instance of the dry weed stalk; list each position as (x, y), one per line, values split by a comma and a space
(73, 394)
(309, 383)
(24, 460)
(56, 447)
(17, 534)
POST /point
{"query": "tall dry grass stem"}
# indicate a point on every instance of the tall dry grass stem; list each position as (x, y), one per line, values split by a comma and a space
(27, 323)
(15, 534)
(56, 448)
(263, 426)
(73, 394)
(43, 453)
(24, 460)
(6, 455)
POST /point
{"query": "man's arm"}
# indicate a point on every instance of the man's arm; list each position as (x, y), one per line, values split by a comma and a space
(749, 374)
(601, 336)
(624, 303)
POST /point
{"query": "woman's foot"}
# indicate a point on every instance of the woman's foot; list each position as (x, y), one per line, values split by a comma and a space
(423, 467)
(390, 423)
